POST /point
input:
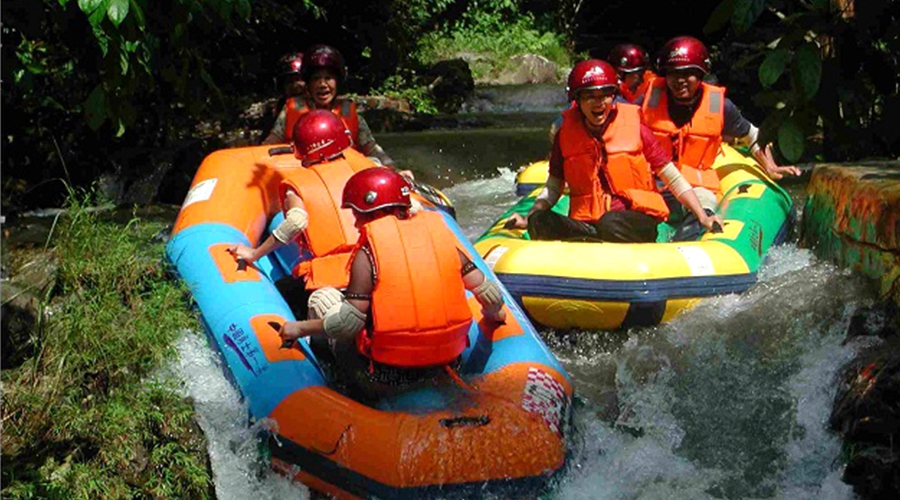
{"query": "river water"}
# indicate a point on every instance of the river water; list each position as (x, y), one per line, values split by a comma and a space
(729, 400)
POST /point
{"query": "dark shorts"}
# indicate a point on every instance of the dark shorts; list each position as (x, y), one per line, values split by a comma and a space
(619, 226)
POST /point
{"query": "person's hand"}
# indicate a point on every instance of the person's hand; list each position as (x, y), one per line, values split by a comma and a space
(407, 174)
(497, 315)
(243, 253)
(516, 221)
(773, 169)
(290, 332)
(713, 223)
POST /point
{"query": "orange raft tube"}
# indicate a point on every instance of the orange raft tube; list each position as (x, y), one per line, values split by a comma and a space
(501, 430)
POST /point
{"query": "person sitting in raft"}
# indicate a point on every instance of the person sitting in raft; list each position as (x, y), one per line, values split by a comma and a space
(310, 200)
(404, 318)
(292, 86)
(608, 159)
(633, 67)
(690, 117)
(324, 72)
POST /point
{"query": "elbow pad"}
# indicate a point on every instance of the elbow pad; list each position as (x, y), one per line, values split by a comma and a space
(551, 191)
(676, 182)
(488, 294)
(344, 322)
(295, 221)
(324, 301)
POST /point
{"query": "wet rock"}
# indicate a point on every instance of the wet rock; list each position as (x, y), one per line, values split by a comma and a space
(852, 217)
(529, 68)
(22, 297)
(866, 410)
(451, 83)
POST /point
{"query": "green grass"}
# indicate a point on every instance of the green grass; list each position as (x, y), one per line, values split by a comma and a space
(82, 418)
(490, 41)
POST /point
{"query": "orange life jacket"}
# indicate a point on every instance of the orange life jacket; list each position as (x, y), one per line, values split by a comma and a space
(344, 108)
(627, 172)
(331, 234)
(630, 96)
(695, 145)
(420, 315)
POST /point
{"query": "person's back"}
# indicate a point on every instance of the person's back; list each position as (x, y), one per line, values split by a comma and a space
(310, 199)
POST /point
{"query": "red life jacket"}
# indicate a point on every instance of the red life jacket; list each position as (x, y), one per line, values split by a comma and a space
(343, 108)
(420, 315)
(626, 172)
(331, 234)
(695, 145)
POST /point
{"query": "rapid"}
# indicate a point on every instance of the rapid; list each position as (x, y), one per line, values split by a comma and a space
(729, 400)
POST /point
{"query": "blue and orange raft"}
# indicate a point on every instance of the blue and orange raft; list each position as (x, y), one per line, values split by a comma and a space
(503, 433)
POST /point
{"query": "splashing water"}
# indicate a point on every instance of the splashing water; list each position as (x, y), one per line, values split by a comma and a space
(729, 400)
(238, 468)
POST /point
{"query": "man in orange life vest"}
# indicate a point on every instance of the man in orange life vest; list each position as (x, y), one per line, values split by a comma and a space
(691, 117)
(608, 159)
(404, 317)
(633, 67)
(324, 72)
(310, 198)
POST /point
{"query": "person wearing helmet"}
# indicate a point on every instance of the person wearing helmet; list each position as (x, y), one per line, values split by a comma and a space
(324, 72)
(690, 117)
(404, 317)
(608, 159)
(292, 86)
(633, 67)
(310, 200)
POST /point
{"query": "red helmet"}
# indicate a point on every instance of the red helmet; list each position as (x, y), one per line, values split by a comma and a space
(628, 57)
(375, 188)
(684, 52)
(591, 74)
(319, 136)
(291, 64)
(324, 56)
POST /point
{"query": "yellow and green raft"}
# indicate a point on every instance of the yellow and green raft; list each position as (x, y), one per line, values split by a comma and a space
(603, 286)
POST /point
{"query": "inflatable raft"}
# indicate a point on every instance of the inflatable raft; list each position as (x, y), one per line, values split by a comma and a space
(603, 286)
(500, 431)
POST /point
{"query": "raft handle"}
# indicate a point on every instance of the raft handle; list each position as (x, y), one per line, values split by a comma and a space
(476, 421)
(280, 150)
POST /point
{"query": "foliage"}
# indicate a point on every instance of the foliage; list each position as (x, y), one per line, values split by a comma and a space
(826, 65)
(490, 33)
(402, 85)
(80, 418)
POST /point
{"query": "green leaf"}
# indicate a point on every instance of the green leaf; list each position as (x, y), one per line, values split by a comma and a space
(719, 17)
(121, 130)
(745, 13)
(89, 6)
(808, 69)
(790, 140)
(99, 14)
(773, 66)
(123, 61)
(95, 108)
(138, 14)
(117, 10)
(102, 40)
